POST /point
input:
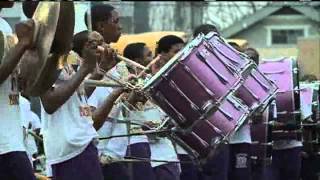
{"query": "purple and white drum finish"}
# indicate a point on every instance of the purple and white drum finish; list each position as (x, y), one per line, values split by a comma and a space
(208, 133)
(285, 74)
(261, 146)
(193, 83)
(235, 60)
(256, 91)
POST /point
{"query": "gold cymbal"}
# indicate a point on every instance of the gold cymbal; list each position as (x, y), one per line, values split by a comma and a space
(38, 66)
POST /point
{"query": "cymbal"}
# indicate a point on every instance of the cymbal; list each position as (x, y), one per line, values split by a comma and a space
(39, 65)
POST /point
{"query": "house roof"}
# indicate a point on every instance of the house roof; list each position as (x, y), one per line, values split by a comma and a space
(251, 19)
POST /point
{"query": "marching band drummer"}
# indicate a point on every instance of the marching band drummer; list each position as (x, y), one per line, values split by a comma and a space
(105, 20)
(14, 162)
(161, 147)
(72, 154)
(286, 155)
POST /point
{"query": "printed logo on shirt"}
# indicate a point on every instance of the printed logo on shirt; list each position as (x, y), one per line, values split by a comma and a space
(85, 111)
(241, 160)
(14, 99)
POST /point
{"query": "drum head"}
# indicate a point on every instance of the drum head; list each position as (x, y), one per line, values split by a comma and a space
(56, 24)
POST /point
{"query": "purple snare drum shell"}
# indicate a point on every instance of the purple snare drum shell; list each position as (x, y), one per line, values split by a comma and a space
(235, 60)
(257, 90)
(195, 83)
(208, 133)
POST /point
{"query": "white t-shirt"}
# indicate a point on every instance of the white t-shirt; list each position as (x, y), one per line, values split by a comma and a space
(162, 149)
(11, 131)
(114, 147)
(5, 27)
(242, 135)
(29, 118)
(66, 133)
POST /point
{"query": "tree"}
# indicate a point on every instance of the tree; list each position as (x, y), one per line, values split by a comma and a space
(141, 17)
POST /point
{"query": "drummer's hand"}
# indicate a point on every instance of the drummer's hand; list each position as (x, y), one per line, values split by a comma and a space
(25, 33)
(90, 54)
(108, 58)
(150, 124)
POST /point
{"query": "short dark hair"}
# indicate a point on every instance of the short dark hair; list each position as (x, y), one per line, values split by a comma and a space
(134, 50)
(309, 77)
(99, 12)
(235, 46)
(254, 55)
(79, 41)
(166, 43)
(29, 7)
(205, 29)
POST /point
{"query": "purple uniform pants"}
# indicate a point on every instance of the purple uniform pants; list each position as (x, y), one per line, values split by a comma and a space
(140, 170)
(15, 166)
(168, 171)
(189, 171)
(286, 164)
(310, 167)
(85, 166)
(217, 166)
(115, 171)
(240, 162)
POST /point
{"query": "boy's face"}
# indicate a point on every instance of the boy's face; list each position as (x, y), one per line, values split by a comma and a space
(165, 57)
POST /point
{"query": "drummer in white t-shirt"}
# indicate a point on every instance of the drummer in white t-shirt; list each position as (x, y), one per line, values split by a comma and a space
(14, 162)
(68, 130)
(115, 148)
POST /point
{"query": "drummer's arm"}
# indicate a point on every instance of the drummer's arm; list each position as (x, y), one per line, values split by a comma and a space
(94, 76)
(57, 96)
(100, 114)
(10, 61)
(107, 61)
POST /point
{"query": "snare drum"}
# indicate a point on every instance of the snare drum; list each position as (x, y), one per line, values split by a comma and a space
(208, 134)
(256, 91)
(194, 82)
(233, 59)
(284, 73)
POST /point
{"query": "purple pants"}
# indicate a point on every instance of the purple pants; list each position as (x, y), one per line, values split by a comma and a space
(217, 166)
(286, 164)
(310, 167)
(167, 172)
(85, 166)
(240, 162)
(16, 166)
(115, 171)
(140, 170)
(189, 171)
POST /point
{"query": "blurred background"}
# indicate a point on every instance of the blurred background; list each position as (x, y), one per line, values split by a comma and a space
(275, 29)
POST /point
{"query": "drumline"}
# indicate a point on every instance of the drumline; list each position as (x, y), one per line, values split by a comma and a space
(209, 90)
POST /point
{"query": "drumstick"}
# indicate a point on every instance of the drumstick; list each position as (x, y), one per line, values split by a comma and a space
(126, 60)
(91, 82)
(138, 134)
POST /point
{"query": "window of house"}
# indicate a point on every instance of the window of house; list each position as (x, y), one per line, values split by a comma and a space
(286, 36)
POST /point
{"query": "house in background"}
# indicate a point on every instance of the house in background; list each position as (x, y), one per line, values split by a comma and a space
(276, 30)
